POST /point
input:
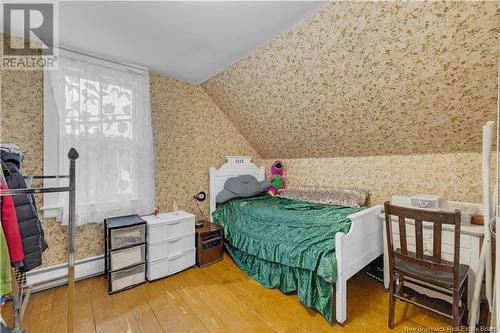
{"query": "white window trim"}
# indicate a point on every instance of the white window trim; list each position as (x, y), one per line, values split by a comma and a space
(51, 205)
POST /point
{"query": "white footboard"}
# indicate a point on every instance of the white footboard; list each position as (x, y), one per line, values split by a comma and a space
(354, 250)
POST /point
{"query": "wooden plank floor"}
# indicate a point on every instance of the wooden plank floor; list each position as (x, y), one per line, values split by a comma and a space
(218, 298)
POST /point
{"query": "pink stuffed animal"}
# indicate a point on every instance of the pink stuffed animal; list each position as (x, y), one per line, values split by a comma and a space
(277, 180)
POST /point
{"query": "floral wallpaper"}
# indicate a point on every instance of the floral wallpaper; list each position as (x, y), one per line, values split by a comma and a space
(190, 135)
(385, 96)
(369, 78)
(453, 176)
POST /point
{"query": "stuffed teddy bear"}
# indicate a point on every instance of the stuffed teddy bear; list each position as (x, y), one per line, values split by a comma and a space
(277, 180)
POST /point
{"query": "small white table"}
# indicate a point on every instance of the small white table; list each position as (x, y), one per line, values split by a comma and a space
(470, 250)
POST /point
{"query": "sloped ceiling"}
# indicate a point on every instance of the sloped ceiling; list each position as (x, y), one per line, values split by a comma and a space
(369, 79)
(185, 40)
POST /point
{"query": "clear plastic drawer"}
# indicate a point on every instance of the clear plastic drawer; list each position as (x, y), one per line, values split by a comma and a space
(128, 277)
(127, 257)
(128, 236)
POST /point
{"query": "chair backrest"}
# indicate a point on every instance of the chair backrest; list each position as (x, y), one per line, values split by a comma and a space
(437, 219)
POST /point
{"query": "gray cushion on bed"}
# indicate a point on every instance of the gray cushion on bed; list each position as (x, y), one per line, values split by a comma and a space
(241, 186)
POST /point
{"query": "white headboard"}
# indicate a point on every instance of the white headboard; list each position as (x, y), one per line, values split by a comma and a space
(235, 166)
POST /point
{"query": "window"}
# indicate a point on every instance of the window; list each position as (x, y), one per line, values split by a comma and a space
(101, 109)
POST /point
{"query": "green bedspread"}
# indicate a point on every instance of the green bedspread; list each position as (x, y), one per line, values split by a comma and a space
(286, 244)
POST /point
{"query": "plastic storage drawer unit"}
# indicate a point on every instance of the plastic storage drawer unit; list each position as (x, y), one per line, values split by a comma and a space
(170, 243)
(125, 252)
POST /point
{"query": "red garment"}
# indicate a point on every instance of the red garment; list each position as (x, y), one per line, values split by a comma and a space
(10, 227)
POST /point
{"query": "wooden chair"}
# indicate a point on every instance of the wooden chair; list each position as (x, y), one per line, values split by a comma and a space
(427, 271)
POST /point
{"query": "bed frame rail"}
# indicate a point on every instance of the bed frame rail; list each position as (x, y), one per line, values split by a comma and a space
(354, 250)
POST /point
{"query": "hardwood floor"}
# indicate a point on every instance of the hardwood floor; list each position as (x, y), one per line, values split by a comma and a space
(218, 298)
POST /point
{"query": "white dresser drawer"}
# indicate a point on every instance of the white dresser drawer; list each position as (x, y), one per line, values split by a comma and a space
(168, 226)
(169, 248)
(164, 267)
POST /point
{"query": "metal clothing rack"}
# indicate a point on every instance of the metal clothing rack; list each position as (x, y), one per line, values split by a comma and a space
(20, 301)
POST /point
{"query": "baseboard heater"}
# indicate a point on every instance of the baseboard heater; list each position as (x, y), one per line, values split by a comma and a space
(47, 277)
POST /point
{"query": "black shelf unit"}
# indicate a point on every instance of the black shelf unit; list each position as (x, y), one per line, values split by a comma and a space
(113, 245)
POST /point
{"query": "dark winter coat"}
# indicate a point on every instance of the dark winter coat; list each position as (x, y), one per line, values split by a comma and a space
(30, 228)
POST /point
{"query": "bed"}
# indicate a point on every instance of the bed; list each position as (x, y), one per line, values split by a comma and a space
(316, 245)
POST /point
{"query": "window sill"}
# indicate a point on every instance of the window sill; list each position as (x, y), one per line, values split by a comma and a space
(50, 212)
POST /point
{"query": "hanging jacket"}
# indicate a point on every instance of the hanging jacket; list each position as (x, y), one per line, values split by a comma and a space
(10, 228)
(30, 227)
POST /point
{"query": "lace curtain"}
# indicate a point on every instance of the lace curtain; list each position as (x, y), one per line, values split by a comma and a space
(103, 110)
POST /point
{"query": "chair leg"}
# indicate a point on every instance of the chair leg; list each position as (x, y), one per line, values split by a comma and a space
(455, 311)
(465, 302)
(392, 302)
